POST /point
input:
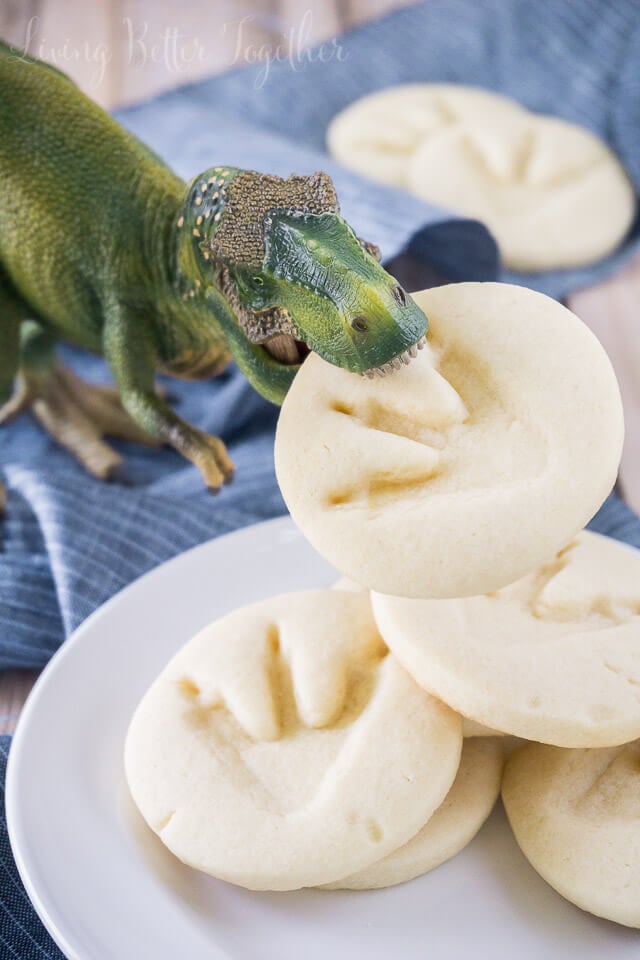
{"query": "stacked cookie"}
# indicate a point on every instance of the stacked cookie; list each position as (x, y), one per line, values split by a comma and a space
(551, 192)
(343, 738)
(457, 490)
(285, 746)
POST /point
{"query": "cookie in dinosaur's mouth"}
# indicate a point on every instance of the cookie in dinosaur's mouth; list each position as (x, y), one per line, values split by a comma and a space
(473, 452)
(287, 350)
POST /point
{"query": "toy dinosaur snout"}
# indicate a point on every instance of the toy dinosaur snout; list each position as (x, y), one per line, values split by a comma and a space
(333, 296)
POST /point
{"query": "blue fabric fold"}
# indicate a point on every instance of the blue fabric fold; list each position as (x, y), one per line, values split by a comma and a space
(69, 542)
(577, 61)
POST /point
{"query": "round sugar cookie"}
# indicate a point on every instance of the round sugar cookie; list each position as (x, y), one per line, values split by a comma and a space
(576, 817)
(464, 470)
(377, 135)
(554, 657)
(552, 193)
(284, 746)
(454, 824)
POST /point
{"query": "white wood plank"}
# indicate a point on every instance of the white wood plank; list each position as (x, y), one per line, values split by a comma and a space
(78, 41)
(359, 11)
(164, 45)
(611, 310)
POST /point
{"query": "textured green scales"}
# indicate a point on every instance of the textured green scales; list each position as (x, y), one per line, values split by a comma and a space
(103, 246)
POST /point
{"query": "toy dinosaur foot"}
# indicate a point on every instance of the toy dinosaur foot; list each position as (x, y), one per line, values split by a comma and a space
(76, 414)
(210, 455)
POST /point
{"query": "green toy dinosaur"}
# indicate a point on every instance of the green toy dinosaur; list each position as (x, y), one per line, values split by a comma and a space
(103, 246)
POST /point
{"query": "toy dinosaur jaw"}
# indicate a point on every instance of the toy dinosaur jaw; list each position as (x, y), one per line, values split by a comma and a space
(397, 362)
(291, 352)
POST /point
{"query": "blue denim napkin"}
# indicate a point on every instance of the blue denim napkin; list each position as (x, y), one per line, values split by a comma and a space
(22, 936)
(575, 60)
(69, 542)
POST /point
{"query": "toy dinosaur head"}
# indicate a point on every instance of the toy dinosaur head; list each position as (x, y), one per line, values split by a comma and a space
(298, 279)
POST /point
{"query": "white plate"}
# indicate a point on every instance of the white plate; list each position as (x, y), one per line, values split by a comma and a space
(107, 889)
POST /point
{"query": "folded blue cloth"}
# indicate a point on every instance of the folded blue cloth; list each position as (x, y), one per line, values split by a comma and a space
(578, 61)
(69, 542)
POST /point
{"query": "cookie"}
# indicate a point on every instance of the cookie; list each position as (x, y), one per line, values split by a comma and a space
(453, 825)
(466, 469)
(284, 747)
(576, 817)
(553, 194)
(377, 135)
(554, 657)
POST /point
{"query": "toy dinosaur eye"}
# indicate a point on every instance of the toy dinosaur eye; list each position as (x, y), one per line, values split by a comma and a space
(359, 324)
(259, 282)
(400, 296)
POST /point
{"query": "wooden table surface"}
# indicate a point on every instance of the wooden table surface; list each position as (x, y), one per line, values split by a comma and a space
(121, 52)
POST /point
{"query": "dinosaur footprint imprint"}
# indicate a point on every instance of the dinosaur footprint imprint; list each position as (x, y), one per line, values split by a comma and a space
(524, 160)
(411, 435)
(279, 675)
(578, 586)
(275, 698)
(609, 785)
(413, 432)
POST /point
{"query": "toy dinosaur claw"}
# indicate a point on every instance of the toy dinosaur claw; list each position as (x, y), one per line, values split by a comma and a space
(118, 474)
(210, 455)
(77, 415)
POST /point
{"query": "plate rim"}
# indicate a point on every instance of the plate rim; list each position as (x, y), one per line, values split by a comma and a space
(12, 805)
(282, 522)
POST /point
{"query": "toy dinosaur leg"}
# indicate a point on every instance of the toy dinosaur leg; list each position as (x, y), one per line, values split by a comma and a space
(74, 413)
(127, 347)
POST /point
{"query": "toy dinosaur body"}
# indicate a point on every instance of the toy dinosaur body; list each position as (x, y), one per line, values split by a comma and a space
(103, 246)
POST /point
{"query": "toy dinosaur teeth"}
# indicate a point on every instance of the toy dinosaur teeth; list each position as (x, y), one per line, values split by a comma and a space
(397, 362)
